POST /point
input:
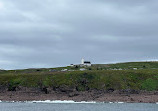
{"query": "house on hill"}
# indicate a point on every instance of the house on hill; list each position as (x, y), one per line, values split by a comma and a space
(83, 63)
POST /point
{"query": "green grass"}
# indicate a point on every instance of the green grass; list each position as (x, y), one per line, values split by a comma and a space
(138, 65)
(98, 76)
(142, 79)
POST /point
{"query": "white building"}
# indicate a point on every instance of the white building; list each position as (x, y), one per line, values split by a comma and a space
(85, 63)
(63, 70)
(82, 69)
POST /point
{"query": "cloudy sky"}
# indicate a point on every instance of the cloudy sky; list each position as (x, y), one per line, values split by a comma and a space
(51, 33)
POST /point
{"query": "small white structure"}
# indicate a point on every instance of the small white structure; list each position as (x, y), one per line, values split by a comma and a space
(82, 61)
(85, 63)
(82, 69)
(134, 68)
(63, 70)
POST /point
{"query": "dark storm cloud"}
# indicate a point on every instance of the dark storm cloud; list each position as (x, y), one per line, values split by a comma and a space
(36, 33)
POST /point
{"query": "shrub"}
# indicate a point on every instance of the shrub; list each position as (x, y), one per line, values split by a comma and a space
(13, 84)
(150, 84)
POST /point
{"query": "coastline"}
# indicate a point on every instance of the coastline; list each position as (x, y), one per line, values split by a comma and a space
(97, 96)
(129, 86)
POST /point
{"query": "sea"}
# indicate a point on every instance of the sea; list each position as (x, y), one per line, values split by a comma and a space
(76, 106)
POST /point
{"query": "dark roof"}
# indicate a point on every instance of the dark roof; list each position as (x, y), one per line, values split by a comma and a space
(87, 62)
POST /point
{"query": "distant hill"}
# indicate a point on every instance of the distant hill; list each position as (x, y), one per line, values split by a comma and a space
(120, 76)
(116, 66)
(129, 65)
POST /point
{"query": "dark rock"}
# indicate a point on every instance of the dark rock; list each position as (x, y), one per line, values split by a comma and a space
(132, 99)
(73, 94)
(12, 88)
(82, 88)
(110, 90)
(134, 91)
(3, 88)
(156, 93)
(64, 88)
(46, 90)
(129, 91)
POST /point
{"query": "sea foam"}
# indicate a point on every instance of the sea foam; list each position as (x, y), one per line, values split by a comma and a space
(59, 101)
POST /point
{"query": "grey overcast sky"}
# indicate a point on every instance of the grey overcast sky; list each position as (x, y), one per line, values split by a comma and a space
(51, 33)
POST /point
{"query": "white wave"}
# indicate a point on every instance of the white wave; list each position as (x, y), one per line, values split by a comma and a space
(9, 101)
(120, 102)
(59, 101)
(156, 102)
(116, 102)
(0, 101)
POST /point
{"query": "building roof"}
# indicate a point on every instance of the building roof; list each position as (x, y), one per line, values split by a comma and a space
(87, 62)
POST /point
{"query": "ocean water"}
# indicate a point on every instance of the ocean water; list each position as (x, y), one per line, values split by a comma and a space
(70, 106)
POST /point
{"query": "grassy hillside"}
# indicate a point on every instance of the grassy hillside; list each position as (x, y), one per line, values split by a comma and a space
(129, 65)
(101, 77)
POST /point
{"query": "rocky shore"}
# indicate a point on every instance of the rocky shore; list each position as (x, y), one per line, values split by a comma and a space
(30, 94)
